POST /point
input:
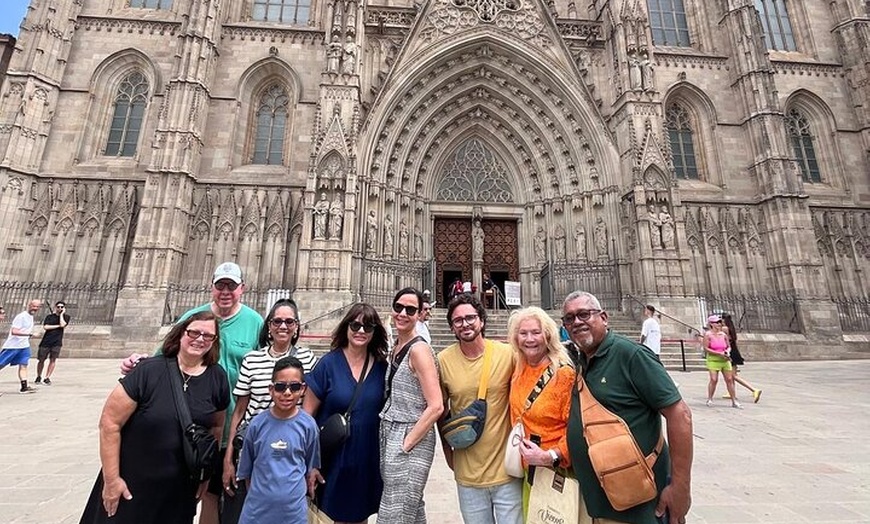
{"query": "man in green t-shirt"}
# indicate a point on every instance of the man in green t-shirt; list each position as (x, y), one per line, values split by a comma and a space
(240, 328)
(629, 380)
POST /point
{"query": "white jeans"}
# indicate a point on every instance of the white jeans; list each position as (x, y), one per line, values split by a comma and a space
(502, 504)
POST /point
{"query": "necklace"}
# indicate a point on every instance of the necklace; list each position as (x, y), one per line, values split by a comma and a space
(274, 354)
(186, 378)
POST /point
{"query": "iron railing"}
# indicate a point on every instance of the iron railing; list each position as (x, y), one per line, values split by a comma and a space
(382, 278)
(602, 280)
(86, 302)
(854, 314)
(757, 314)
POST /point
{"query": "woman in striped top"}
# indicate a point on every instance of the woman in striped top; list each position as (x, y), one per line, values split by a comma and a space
(277, 340)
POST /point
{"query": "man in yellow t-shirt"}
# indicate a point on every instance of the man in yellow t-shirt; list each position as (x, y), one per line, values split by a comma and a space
(487, 494)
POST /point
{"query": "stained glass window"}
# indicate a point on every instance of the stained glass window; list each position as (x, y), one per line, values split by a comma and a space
(129, 110)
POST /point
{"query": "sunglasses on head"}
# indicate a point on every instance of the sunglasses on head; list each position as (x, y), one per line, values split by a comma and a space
(194, 334)
(224, 285)
(409, 310)
(294, 387)
(278, 322)
(356, 326)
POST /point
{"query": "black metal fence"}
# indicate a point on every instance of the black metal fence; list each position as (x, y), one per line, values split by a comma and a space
(86, 302)
(559, 279)
(381, 279)
(179, 299)
(757, 314)
(854, 314)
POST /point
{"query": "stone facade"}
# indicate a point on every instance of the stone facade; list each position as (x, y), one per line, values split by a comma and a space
(7, 44)
(144, 141)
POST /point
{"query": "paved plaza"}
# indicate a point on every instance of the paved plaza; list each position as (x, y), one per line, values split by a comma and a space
(800, 455)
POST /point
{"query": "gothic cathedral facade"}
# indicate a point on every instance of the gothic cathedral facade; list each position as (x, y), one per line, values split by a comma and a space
(682, 152)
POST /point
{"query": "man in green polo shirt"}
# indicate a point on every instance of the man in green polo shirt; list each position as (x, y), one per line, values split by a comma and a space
(628, 379)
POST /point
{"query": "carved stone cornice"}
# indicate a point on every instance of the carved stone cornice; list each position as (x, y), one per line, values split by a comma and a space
(380, 18)
(272, 34)
(808, 68)
(126, 25)
(668, 57)
(588, 30)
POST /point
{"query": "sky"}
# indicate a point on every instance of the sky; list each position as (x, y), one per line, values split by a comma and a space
(11, 14)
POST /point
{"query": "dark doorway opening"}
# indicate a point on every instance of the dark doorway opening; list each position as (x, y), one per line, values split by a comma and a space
(448, 276)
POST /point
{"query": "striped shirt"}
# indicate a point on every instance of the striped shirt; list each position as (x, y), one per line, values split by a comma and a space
(255, 376)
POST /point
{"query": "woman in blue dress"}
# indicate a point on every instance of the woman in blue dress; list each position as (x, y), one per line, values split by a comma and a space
(349, 481)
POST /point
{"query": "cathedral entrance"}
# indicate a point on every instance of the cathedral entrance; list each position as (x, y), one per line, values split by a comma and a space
(454, 253)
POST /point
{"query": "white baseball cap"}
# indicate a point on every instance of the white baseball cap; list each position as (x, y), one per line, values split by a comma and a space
(229, 270)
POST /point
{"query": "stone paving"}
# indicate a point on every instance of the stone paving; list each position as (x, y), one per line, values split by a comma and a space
(800, 455)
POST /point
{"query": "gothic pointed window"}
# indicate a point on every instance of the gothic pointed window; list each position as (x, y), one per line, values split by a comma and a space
(285, 11)
(475, 174)
(271, 124)
(667, 20)
(129, 110)
(802, 144)
(680, 134)
(776, 25)
(151, 4)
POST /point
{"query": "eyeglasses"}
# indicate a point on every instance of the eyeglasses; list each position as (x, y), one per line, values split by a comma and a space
(278, 322)
(223, 285)
(409, 310)
(582, 315)
(194, 334)
(357, 326)
(467, 319)
(294, 387)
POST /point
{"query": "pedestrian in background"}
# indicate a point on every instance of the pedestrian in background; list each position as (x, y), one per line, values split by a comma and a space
(52, 341)
(737, 358)
(651, 331)
(16, 349)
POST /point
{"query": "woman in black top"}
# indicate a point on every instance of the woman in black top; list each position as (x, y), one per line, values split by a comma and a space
(144, 477)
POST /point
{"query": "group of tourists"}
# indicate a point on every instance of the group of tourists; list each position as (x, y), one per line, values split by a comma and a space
(355, 432)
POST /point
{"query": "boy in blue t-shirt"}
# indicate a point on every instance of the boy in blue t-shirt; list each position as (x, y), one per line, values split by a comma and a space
(281, 447)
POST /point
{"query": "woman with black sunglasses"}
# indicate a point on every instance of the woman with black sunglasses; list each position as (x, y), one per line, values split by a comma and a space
(349, 482)
(278, 339)
(413, 405)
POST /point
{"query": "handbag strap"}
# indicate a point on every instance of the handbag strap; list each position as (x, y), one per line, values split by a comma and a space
(539, 387)
(592, 413)
(397, 360)
(362, 378)
(484, 374)
(181, 407)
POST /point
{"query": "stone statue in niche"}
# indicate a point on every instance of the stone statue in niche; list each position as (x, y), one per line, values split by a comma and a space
(580, 242)
(647, 74)
(321, 211)
(371, 231)
(388, 236)
(635, 76)
(403, 240)
(336, 217)
(601, 238)
(655, 228)
(418, 243)
(333, 55)
(349, 61)
(559, 242)
(477, 238)
(668, 228)
(541, 245)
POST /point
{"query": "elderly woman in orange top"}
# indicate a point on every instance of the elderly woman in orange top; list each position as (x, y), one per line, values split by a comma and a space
(540, 390)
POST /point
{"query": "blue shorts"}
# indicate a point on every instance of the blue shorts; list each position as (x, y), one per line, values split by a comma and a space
(12, 357)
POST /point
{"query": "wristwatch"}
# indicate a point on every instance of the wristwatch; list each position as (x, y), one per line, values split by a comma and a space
(556, 459)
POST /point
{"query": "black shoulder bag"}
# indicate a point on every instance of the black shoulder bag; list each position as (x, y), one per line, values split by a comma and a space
(394, 365)
(200, 446)
(336, 429)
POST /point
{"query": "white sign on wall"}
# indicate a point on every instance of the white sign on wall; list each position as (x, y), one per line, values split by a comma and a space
(512, 293)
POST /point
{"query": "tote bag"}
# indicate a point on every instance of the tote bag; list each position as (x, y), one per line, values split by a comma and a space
(553, 498)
